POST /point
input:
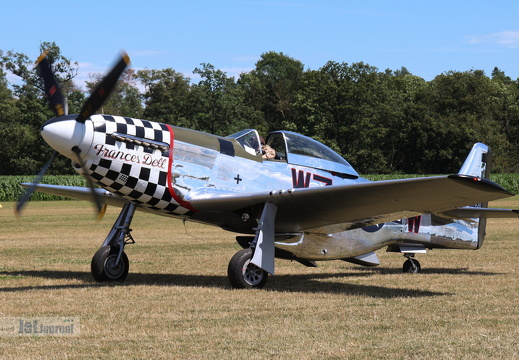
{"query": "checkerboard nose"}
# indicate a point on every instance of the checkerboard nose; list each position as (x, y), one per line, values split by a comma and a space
(64, 133)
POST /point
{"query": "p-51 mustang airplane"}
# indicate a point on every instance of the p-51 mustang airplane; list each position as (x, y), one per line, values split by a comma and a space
(301, 201)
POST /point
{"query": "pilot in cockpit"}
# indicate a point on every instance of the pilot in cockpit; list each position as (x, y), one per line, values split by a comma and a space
(268, 153)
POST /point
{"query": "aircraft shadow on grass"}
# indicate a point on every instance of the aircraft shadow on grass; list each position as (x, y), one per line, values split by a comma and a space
(309, 283)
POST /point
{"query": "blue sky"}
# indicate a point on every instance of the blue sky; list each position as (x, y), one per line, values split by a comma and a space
(428, 38)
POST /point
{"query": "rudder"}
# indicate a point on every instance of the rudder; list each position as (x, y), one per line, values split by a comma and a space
(478, 164)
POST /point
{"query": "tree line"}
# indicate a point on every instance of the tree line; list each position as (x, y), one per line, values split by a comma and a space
(381, 121)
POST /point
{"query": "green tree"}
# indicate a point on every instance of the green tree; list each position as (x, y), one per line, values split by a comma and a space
(405, 113)
(125, 99)
(218, 103)
(506, 113)
(19, 64)
(28, 151)
(463, 105)
(500, 76)
(350, 108)
(8, 110)
(9, 129)
(272, 88)
(166, 96)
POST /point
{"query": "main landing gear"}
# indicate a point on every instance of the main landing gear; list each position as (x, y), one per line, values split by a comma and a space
(411, 266)
(110, 262)
(243, 274)
(249, 268)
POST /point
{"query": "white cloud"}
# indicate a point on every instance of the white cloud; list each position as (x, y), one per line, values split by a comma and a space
(508, 38)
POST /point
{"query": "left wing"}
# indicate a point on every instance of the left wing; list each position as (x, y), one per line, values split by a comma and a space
(357, 205)
(79, 193)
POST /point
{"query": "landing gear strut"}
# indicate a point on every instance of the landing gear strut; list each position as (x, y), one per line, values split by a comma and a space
(249, 268)
(110, 262)
(411, 265)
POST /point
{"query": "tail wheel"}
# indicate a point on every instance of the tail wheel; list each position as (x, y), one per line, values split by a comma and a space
(411, 266)
(243, 274)
(104, 266)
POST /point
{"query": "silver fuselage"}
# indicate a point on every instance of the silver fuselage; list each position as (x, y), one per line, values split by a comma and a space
(160, 168)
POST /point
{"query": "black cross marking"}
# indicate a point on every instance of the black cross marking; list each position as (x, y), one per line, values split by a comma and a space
(237, 178)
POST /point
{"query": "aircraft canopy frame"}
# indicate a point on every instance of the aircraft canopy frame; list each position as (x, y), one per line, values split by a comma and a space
(302, 150)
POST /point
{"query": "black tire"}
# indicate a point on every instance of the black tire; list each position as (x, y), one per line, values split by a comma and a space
(244, 275)
(103, 265)
(411, 266)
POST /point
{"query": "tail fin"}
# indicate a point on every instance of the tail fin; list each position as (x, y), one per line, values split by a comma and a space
(478, 164)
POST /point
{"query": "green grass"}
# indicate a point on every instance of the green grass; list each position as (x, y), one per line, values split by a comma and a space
(177, 304)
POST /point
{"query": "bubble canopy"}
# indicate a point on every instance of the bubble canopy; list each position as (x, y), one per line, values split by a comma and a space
(298, 149)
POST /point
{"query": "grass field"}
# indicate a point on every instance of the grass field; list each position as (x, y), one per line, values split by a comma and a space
(176, 302)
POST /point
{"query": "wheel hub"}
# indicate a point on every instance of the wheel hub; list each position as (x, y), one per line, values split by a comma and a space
(112, 270)
(252, 274)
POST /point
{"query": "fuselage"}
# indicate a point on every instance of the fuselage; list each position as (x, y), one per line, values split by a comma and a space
(159, 167)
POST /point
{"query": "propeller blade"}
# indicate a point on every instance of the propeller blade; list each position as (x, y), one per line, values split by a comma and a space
(103, 90)
(101, 214)
(55, 96)
(27, 194)
(81, 163)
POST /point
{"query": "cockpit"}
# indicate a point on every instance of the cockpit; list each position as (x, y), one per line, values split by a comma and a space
(293, 148)
(249, 139)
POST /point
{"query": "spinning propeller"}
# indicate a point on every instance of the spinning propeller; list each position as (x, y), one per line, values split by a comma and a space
(58, 103)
